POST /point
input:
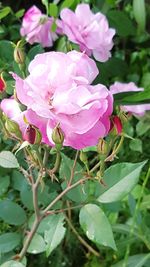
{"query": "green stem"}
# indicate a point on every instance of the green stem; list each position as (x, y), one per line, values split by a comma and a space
(57, 162)
(38, 218)
(134, 218)
(66, 190)
(46, 155)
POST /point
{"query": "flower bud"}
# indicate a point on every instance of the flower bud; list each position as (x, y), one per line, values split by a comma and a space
(116, 126)
(102, 147)
(83, 157)
(2, 84)
(13, 128)
(32, 135)
(19, 55)
(58, 135)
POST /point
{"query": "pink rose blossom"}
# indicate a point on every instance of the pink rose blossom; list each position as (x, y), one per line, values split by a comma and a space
(58, 90)
(90, 31)
(118, 87)
(36, 27)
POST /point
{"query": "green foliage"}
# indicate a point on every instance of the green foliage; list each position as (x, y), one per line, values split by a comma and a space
(37, 245)
(9, 241)
(135, 261)
(96, 225)
(12, 213)
(54, 235)
(8, 160)
(120, 180)
(12, 264)
(113, 212)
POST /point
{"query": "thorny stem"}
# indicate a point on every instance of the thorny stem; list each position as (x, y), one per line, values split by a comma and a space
(29, 238)
(63, 210)
(66, 190)
(37, 220)
(83, 242)
(134, 218)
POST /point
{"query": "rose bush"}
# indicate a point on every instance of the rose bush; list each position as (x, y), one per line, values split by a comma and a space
(56, 99)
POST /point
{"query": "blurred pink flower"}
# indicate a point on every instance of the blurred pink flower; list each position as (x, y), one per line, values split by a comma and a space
(58, 90)
(36, 27)
(118, 87)
(90, 31)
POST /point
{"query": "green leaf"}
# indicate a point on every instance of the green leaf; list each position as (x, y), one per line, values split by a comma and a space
(53, 10)
(8, 160)
(132, 98)
(145, 204)
(136, 145)
(4, 184)
(55, 234)
(139, 13)
(20, 13)
(12, 213)
(18, 180)
(96, 225)
(4, 12)
(37, 49)
(142, 127)
(12, 264)
(67, 3)
(126, 27)
(114, 67)
(62, 44)
(6, 51)
(134, 261)
(37, 245)
(9, 241)
(120, 179)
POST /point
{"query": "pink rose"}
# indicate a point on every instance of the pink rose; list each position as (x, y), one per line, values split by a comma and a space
(118, 87)
(36, 27)
(90, 31)
(58, 90)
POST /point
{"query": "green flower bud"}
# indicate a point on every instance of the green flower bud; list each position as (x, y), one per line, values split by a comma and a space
(102, 147)
(58, 135)
(13, 128)
(83, 157)
(19, 55)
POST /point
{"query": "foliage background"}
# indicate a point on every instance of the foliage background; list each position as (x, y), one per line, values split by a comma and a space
(130, 62)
